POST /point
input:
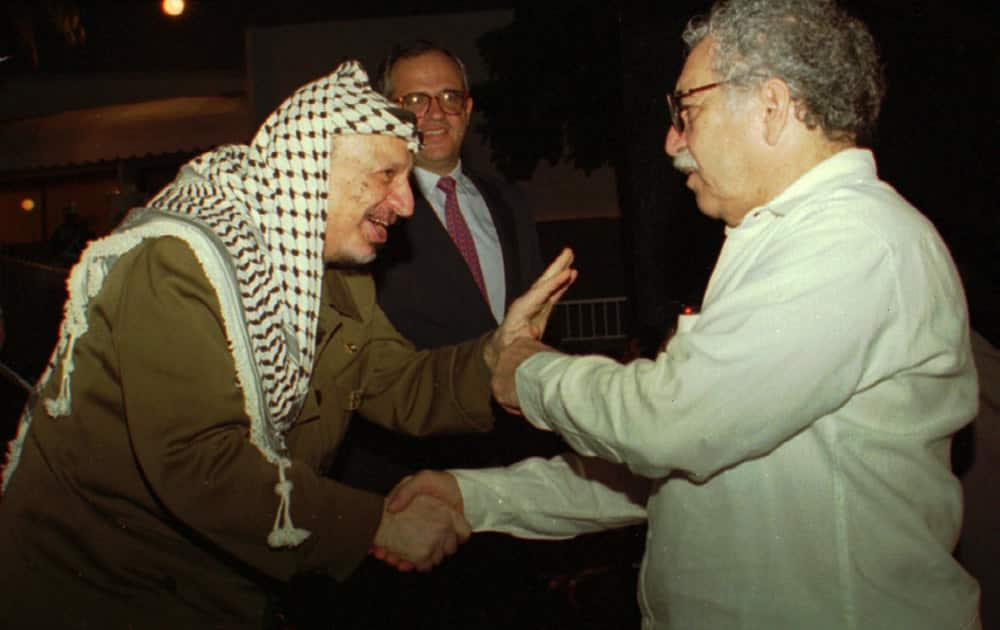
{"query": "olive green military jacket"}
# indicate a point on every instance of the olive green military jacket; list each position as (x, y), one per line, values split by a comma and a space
(147, 506)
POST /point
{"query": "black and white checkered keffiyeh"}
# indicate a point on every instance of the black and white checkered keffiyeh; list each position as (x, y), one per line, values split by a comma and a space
(267, 203)
(277, 188)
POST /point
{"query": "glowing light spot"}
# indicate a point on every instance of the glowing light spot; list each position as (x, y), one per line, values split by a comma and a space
(27, 204)
(173, 7)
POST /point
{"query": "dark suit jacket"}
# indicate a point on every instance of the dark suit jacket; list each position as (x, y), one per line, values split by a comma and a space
(424, 285)
(427, 291)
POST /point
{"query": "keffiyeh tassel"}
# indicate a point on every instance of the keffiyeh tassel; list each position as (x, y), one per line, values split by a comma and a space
(284, 533)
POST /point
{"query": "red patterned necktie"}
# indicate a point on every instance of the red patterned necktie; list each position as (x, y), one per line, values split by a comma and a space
(459, 232)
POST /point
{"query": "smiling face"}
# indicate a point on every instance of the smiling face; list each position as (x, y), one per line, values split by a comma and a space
(717, 149)
(432, 73)
(369, 189)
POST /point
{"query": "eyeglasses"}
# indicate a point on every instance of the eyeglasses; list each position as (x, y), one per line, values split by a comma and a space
(450, 102)
(676, 108)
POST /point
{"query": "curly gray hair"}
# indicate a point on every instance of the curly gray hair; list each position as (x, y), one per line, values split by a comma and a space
(827, 57)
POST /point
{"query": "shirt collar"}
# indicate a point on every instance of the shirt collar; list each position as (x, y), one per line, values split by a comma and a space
(427, 180)
(850, 164)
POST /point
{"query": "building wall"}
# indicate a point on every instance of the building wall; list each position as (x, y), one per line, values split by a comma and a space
(41, 94)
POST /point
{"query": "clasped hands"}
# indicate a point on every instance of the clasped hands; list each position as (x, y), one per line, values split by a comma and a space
(436, 527)
(419, 530)
(423, 517)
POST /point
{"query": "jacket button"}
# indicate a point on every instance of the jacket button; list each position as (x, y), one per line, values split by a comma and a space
(351, 347)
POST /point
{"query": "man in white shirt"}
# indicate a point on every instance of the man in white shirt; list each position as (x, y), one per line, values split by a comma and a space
(794, 439)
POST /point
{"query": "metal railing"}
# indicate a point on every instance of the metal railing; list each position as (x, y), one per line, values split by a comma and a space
(598, 319)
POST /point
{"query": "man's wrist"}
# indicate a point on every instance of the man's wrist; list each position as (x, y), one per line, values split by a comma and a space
(472, 502)
(490, 352)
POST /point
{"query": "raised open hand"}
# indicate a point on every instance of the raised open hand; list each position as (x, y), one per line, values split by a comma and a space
(529, 314)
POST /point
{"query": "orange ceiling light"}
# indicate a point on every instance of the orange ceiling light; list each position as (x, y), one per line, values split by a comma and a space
(173, 8)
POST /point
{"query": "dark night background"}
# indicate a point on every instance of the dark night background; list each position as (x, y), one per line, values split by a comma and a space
(584, 82)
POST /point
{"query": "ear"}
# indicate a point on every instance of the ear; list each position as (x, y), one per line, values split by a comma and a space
(468, 105)
(779, 109)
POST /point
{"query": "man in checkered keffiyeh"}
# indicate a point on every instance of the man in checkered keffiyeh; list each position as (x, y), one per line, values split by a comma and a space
(213, 350)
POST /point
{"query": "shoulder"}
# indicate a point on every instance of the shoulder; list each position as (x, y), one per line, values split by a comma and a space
(164, 258)
(158, 273)
(155, 254)
(844, 198)
(168, 250)
(867, 229)
(864, 212)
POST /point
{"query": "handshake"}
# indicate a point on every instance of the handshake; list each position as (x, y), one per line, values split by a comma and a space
(422, 522)
(423, 517)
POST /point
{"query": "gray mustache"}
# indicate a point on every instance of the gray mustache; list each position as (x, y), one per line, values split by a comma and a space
(684, 162)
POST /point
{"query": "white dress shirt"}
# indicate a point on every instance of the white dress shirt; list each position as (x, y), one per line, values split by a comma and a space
(477, 215)
(797, 434)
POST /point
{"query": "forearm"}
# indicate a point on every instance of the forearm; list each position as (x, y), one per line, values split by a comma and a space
(429, 391)
(552, 499)
(235, 508)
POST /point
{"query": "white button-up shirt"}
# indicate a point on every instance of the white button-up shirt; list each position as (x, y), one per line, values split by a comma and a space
(797, 435)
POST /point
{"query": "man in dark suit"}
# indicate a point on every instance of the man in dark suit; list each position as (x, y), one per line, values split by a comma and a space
(428, 286)
(462, 301)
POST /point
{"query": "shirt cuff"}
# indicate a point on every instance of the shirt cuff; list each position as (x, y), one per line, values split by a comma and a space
(530, 382)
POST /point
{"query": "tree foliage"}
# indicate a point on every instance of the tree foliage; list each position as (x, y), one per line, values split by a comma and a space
(554, 91)
(33, 25)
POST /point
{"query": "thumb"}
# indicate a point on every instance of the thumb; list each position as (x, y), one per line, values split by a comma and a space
(401, 495)
(462, 528)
